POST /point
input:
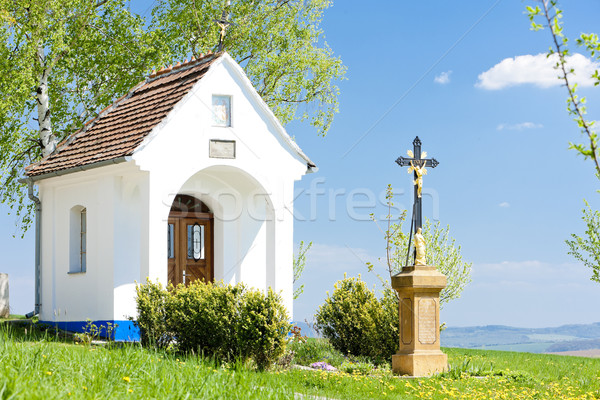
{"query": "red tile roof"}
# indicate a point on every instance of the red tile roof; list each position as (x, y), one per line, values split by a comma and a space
(120, 128)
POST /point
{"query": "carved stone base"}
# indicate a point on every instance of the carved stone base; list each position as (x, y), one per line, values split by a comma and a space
(420, 363)
(419, 351)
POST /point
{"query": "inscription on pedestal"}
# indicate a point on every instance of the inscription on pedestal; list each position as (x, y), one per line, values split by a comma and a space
(427, 320)
(406, 321)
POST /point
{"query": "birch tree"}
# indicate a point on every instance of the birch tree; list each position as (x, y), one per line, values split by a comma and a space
(61, 61)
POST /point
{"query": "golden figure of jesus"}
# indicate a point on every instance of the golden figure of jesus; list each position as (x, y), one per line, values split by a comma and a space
(421, 249)
(419, 171)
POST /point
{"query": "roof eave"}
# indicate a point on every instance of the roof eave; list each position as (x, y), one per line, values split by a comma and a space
(78, 168)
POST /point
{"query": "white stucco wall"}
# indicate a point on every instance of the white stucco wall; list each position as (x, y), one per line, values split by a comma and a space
(114, 238)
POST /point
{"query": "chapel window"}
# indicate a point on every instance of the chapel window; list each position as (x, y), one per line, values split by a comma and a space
(78, 240)
(221, 110)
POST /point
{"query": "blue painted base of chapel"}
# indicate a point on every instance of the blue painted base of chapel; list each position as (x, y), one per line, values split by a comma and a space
(123, 331)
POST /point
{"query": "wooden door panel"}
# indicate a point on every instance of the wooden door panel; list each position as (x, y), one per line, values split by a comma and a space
(182, 266)
(194, 272)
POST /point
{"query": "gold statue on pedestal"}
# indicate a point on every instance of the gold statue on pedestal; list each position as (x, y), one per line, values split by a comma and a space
(421, 248)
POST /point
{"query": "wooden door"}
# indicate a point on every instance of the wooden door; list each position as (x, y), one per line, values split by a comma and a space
(190, 247)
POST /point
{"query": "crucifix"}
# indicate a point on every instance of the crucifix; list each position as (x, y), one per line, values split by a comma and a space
(223, 23)
(417, 163)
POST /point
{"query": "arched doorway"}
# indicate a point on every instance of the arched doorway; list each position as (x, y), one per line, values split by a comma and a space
(190, 241)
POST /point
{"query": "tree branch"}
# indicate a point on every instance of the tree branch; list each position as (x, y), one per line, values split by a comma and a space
(576, 107)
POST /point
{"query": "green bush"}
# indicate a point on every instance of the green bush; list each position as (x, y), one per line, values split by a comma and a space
(203, 316)
(151, 320)
(359, 324)
(262, 327)
(226, 322)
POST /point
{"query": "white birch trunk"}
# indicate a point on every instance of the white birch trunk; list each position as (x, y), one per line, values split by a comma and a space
(43, 105)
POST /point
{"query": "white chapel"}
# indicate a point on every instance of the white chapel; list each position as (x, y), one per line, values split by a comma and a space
(188, 176)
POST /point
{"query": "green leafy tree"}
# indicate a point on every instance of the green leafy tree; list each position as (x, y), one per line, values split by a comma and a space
(442, 251)
(587, 248)
(277, 42)
(62, 61)
(299, 264)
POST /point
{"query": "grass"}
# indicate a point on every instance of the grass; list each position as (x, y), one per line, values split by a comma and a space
(40, 365)
(537, 347)
(12, 317)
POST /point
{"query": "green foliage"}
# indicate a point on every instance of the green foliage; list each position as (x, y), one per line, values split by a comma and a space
(37, 367)
(93, 332)
(314, 350)
(363, 368)
(551, 16)
(278, 43)
(227, 322)
(203, 317)
(357, 323)
(151, 302)
(40, 368)
(584, 249)
(262, 326)
(88, 51)
(299, 264)
(587, 249)
(81, 55)
(442, 252)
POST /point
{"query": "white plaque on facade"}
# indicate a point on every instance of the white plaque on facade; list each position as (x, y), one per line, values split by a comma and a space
(221, 148)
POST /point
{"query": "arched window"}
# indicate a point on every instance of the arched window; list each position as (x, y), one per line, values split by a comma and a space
(78, 240)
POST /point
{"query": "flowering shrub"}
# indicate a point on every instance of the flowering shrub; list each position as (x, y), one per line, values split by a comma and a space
(323, 365)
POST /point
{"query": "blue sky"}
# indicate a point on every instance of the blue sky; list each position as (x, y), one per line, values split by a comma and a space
(506, 184)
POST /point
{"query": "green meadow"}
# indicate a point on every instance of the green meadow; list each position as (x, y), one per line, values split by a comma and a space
(42, 365)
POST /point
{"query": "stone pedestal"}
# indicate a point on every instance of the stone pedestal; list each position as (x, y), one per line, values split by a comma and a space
(4, 305)
(419, 289)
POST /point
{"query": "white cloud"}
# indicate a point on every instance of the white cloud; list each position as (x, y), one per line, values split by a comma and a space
(504, 204)
(519, 126)
(443, 78)
(537, 70)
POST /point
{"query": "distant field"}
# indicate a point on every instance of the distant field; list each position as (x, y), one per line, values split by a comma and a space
(549, 337)
(530, 340)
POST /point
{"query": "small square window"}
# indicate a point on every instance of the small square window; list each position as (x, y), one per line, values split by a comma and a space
(221, 109)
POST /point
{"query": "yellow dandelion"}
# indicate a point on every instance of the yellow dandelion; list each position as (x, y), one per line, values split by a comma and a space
(48, 373)
(84, 387)
(130, 390)
(127, 379)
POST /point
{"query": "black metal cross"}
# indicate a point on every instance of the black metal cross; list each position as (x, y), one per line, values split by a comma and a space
(419, 163)
(223, 23)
